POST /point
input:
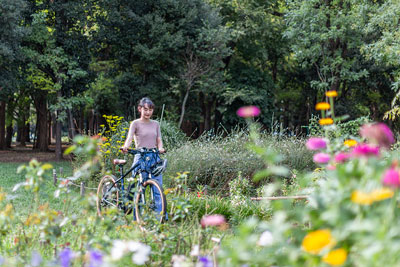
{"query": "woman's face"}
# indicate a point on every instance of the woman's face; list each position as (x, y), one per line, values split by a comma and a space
(146, 112)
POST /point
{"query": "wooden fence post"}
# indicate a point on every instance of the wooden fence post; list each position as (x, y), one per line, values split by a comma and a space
(55, 177)
(82, 189)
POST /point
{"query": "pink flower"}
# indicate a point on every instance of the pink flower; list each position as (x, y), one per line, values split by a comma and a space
(316, 143)
(391, 178)
(331, 167)
(212, 220)
(248, 111)
(365, 150)
(342, 157)
(378, 134)
(321, 158)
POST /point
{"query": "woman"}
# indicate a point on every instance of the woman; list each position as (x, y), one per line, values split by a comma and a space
(147, 134)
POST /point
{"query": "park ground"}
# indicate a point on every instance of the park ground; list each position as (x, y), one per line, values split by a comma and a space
(25, 154)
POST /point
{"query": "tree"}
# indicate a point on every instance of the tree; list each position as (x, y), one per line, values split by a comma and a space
(329, 37)
(256, 67)
(57, 49)
(11, 34)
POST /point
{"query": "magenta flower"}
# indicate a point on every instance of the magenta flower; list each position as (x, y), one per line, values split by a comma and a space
(331, 167)
(342, 157)
(378, 134)
(321, 158)
(212, 220)
(316, 143)
(391, 178)
(248, 111)
(365, 150)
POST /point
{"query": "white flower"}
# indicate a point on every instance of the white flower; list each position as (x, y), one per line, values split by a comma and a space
(118, 250)
(266, 239)
(195, 251)
(133, 246)
(178, 261)
(141, 255)
(140, 251)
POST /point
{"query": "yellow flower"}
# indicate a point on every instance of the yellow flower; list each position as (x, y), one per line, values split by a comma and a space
(350, 142)
(335, 257)
(381, 194)
(332, 93)
(316, 241)
(322, 106)
(8, 210)
(361, 198)
(33, 219)
(168, 191)
(2, 196)
(326, 121)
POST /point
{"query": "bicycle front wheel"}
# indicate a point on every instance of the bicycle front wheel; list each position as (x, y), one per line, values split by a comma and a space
(107, 194)
(150, 203)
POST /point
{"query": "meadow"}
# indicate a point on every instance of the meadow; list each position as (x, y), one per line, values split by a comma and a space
(348, 178)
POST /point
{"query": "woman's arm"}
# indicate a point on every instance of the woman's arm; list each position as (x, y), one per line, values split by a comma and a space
(160, 145)
(129, 138)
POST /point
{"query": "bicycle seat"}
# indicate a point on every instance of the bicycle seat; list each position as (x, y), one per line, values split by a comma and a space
(119, 162)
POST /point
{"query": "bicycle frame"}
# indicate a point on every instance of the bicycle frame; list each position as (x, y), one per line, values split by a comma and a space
(121, 180)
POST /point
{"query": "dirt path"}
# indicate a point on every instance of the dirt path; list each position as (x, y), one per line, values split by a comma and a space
(25, 154)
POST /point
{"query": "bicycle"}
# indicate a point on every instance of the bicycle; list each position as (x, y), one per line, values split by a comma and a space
(140, 190)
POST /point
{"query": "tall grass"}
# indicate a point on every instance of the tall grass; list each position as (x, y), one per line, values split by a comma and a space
(215, 161)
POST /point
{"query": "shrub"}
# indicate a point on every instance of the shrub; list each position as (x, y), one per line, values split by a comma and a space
(172, 136)
(215, 161)
(342, 129)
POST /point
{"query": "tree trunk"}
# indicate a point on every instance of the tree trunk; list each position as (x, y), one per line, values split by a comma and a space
(41, 121)
(49, 121)
(207, 115)
(217, 116)
(21, 132)
(184, 106)
(2, 124)
(27, 132)
(91, 122)
(58, 140)
(9, 135)
(81, 121)
(58, 131)
(203, 111)
(71, 125)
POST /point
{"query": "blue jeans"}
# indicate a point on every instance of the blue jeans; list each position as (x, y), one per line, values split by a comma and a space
(148, 160)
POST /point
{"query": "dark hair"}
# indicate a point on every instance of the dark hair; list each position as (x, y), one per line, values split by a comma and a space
(144, 101)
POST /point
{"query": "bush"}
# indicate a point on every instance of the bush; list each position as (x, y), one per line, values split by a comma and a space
(342, 129)
(172, 136)
(215, 161)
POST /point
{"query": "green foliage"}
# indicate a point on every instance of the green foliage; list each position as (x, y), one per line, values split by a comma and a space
(215, 161)
(172, 136)
(342, 130)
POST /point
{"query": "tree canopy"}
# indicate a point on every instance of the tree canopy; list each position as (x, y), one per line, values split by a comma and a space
(64, 64)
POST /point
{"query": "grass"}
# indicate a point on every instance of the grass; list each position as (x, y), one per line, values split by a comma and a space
(22, 200)
(218, 160)
(83, 230)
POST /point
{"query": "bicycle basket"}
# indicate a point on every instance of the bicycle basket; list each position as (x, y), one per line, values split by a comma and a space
(159, 167)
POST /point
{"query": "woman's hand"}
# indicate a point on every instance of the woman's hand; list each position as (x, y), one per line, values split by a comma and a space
(161, 150)
(124, 149)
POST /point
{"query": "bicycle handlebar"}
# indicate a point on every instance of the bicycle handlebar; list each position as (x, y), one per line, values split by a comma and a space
(142, 150)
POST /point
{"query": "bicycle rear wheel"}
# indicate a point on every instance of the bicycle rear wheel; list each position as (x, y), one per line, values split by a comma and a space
(107, 194)
(150, 204)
